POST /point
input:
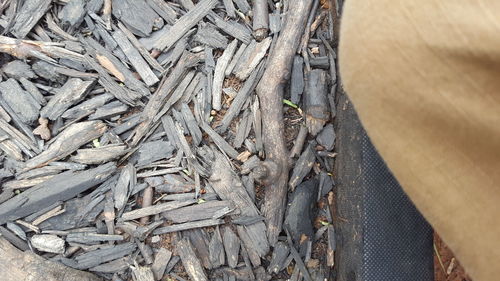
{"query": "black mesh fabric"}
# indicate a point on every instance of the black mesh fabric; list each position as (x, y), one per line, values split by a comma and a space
(397, 241)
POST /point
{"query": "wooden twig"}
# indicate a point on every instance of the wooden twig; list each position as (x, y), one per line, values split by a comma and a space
(270, 92)
(42, 50)
(260, 19)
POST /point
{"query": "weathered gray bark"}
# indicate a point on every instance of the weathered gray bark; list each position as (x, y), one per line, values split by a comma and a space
(20, 265)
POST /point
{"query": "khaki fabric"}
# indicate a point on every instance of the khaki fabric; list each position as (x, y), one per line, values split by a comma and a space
(424, 77)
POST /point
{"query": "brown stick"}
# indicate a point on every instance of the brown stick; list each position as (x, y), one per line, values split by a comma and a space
(18, 265)
(147, 200)
(270, 92)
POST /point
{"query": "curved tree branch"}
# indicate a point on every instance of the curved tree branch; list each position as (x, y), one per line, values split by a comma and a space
(270, 92)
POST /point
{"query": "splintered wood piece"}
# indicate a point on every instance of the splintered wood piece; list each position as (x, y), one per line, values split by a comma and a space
(20, 101)
(243, 6)
(138, 16)
(72, 92)
(235, 59)
(28, 15)
(191, 263)
(176, 95)
(299, 141)
(220, 69)
(199, 240)
(115, 266)
(109, 110)
(67, 142)
(52, 26)
(216, 249)
(191, 123)
(142, 273)
(195, 212)
(275, 22)
(209, 36)
(170, 184)
(18, 69)
(297, 79)
(150, 152)
(33, 90)
(220, 141)
(135, 58)
(320, 62)
(247, 220)
(316, 101)
(160, 264)
(270, 93)
(175, 54)
(185, 23)
(174, 98)
(61, 187)
(25, 265)
(326, 137)
(11, 149)
(13, 145)
(230, 10)
(16, 229)
(302, 167)
(121, 93)
(155, 209)
(105, 254)
(229, 187)
(48, 243)
(231, 246)
(4, 115)
(91, 238)
(99, 155)
(252, 58)
(299, 215)
(260, 19)
(156, 102)
(106, 14)
(52, 213)
(278, 258)
(146, 252)
(13, 239)
(298, 260)
(330, 253)
(16, 120)
(243, 129)
(164, 10)
(125, 183)
(145, 54)
(173, 261)
(72, 14)
(188, 225)
(107, 60)
(231, 27)
(241, 98)
(42, 50)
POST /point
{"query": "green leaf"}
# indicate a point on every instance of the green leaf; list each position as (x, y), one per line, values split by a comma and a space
(325, 223)
(96, 143)
(289, 103)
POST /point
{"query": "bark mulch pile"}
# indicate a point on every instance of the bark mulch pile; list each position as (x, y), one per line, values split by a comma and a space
(161, 140)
